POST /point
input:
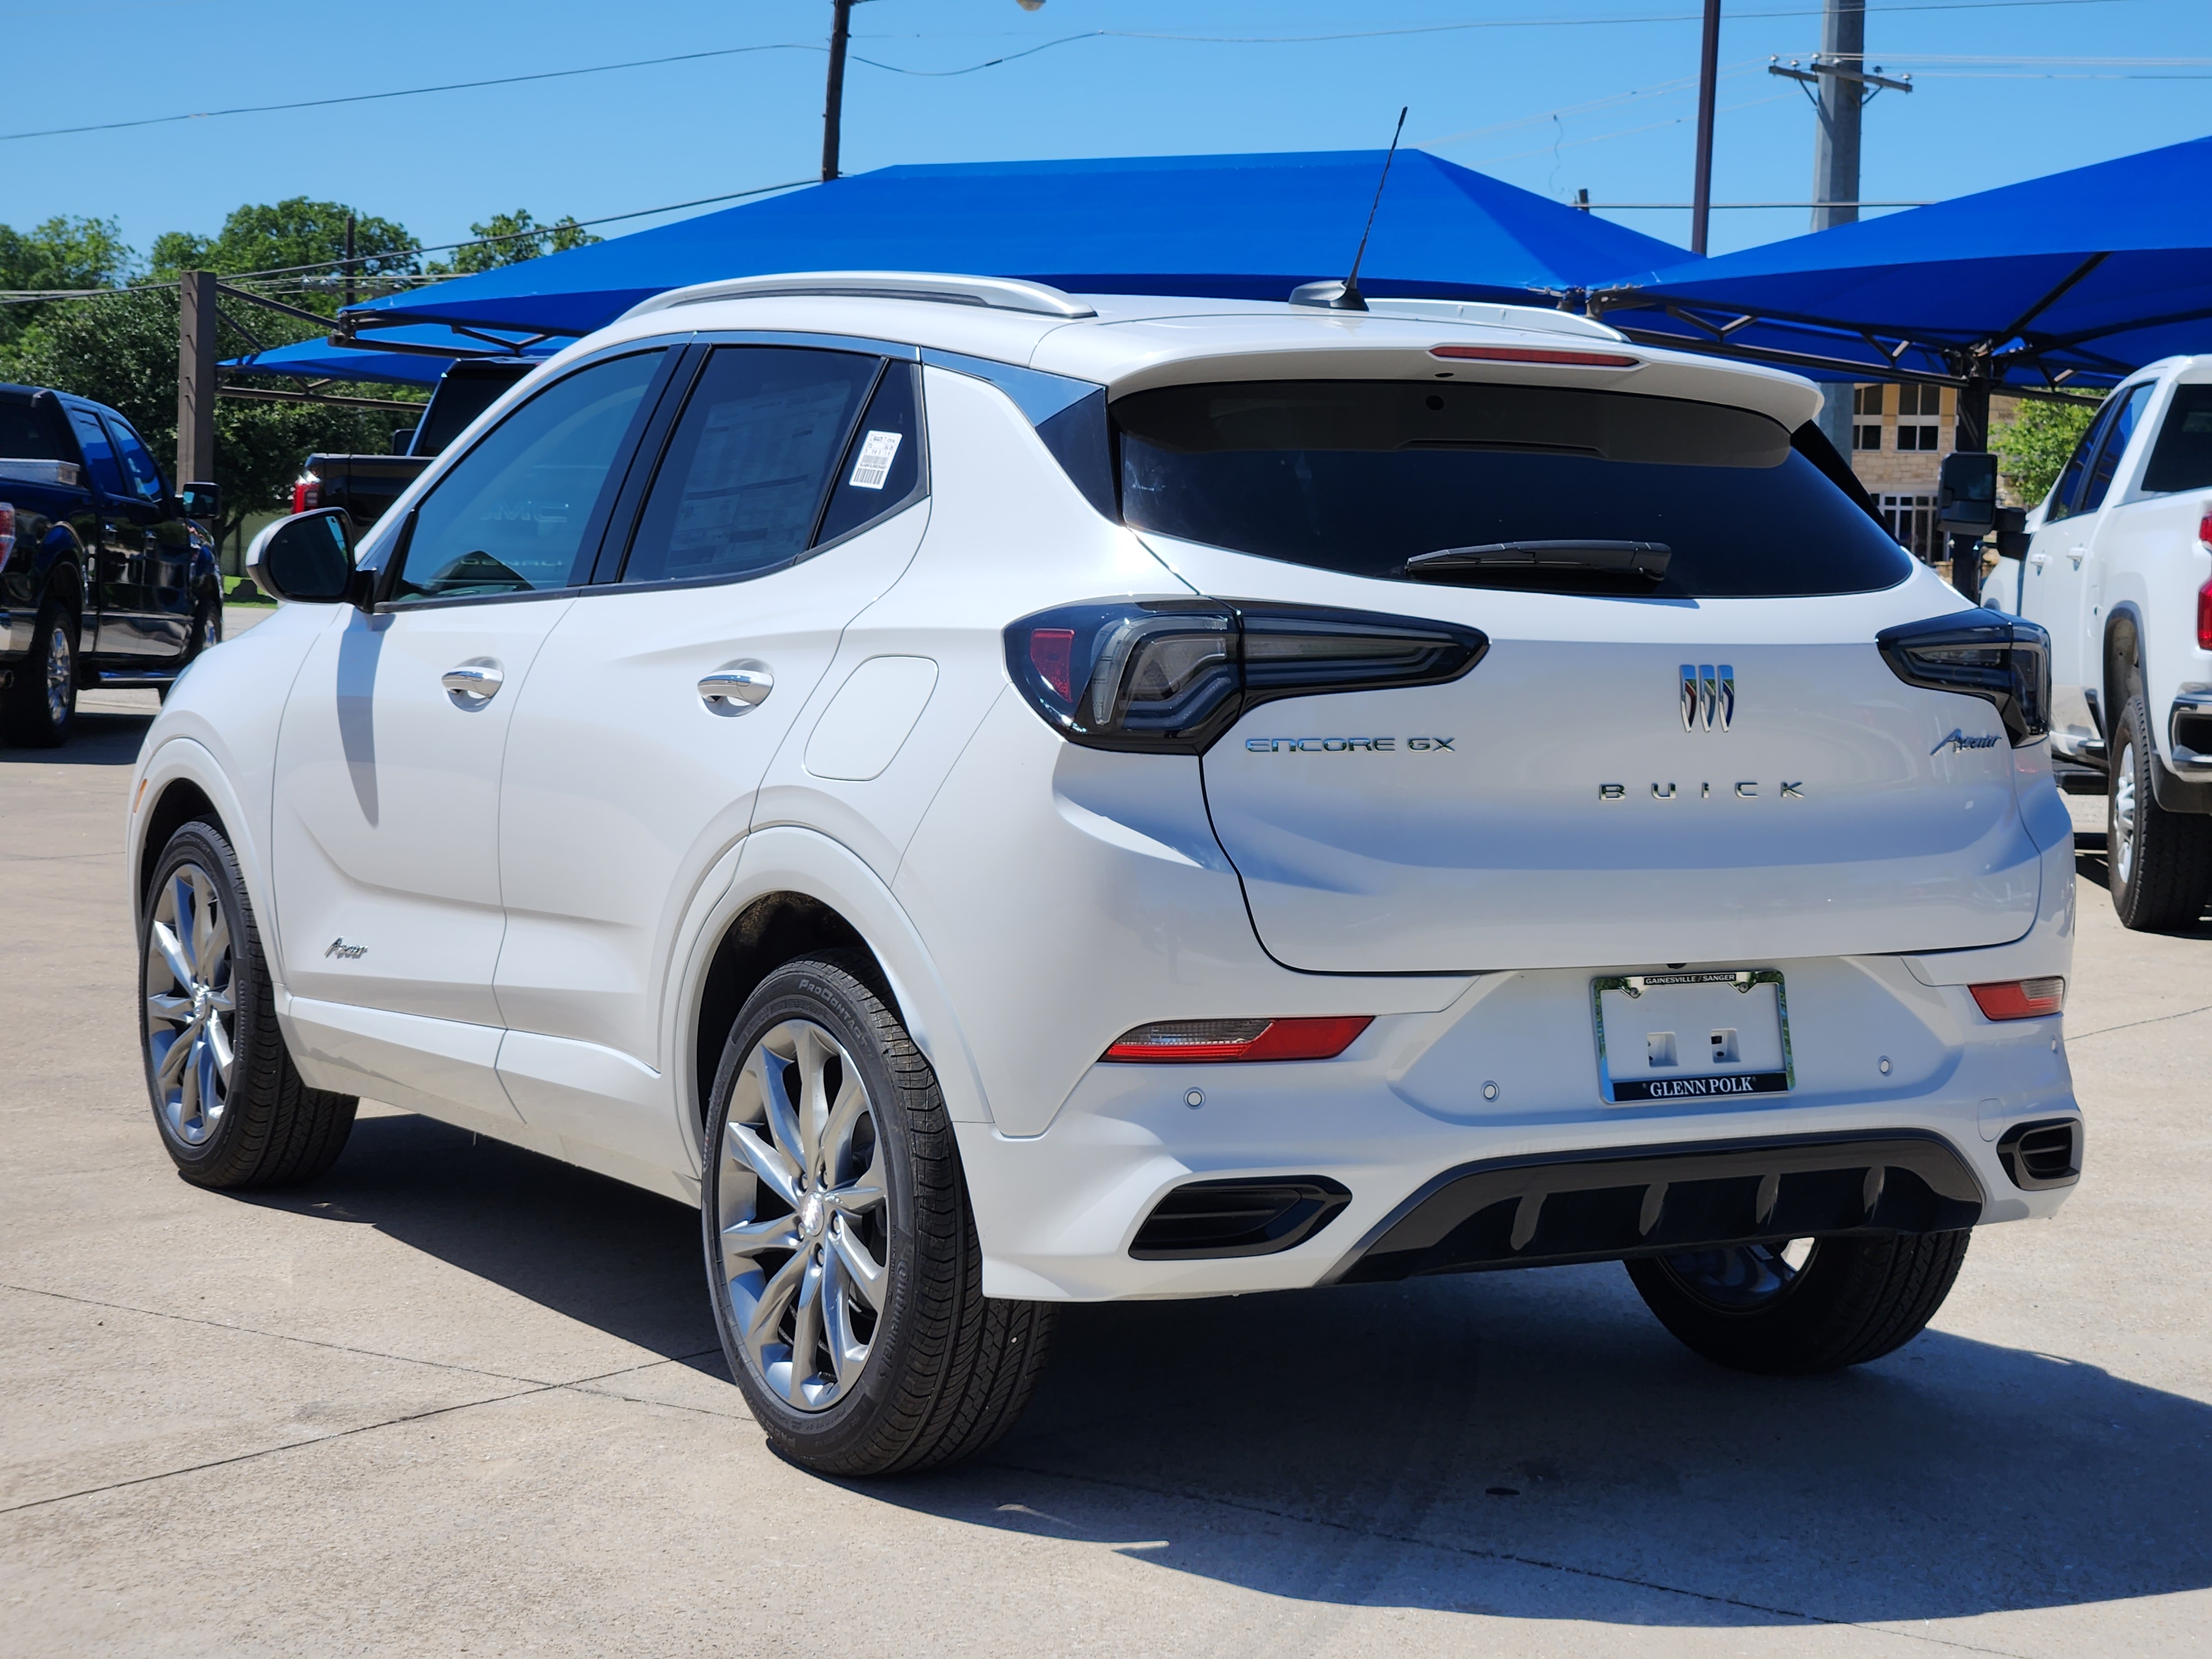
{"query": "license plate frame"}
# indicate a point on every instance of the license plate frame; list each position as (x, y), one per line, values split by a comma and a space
(1768, 1083)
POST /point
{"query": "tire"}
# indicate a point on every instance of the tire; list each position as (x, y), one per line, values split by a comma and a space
(204, 986)
(2160, 862)
(869, 1194)
(42, 701)
(1848, 1301)
(207, 633)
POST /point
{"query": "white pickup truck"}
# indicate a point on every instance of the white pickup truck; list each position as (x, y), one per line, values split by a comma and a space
(2119, 571)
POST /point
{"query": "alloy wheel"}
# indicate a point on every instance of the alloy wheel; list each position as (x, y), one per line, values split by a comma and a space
(2122, 839)
(61, 668)
(803, 1215)
(191, 1009)
(1743, 1278)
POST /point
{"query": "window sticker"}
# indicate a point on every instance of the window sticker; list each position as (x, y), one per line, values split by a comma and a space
(874, 465)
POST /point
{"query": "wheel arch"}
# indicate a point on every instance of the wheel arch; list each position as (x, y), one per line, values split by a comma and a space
(2123, 662)
(181, 781)
(795, 891)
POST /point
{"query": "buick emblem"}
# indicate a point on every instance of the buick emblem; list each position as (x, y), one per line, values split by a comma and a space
(1708, 696)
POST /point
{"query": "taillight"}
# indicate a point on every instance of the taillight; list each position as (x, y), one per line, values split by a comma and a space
(2204, 614)
(1169, 676)
(306, 493)
(2020, 999)
(2003, 660)
(1537, 355)
(7, 530)
(1187, 1040)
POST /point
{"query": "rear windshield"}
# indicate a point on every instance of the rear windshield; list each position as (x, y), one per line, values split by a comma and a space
(1360, 476)
(2182, 459)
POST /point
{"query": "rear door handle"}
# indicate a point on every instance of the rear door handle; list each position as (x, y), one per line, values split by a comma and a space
(733, 690)
(474, 683)
(2077, 554)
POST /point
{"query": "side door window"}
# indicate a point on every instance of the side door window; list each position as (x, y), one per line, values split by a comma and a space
(2126, 416)
(166, 569)
(522, 511)
(2183, 458)
(2068, 490)
(771, 458)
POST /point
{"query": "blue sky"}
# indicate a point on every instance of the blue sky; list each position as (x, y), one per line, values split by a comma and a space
(1550, 94)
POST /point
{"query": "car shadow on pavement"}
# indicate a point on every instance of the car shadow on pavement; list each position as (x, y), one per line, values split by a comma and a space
(97, 738)
(1535, 1444)
(1530, 1444)
(600, 1251)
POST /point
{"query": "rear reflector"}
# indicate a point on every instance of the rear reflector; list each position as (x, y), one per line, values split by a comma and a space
(2020, 999)
(1241, 1039)
(1537, 355)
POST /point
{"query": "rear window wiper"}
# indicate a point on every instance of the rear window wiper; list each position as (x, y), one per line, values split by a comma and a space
(1540, 560)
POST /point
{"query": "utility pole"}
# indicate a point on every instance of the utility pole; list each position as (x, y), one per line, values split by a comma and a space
(1709, 57)
(196, 372)
(1836, 145)
(349, 262)
(833, 109)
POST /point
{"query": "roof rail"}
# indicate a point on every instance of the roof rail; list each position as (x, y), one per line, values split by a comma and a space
(996, 293)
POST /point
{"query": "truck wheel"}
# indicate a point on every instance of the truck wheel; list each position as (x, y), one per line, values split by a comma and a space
(207, 633)
(841, 1256)
(1798, 1310)
(42, 702)
(2160, 862)
(232, 1108)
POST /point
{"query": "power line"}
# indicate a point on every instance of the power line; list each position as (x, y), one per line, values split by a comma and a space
(1611, 20)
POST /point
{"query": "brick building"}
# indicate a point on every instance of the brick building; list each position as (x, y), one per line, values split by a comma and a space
(1900, 436)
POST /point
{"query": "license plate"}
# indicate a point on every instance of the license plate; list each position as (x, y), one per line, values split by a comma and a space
(1691, 1037)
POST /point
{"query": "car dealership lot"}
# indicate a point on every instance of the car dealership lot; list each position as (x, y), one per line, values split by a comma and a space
(458, 1398)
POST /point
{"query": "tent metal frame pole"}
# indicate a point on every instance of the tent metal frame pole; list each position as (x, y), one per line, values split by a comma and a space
(277, 395)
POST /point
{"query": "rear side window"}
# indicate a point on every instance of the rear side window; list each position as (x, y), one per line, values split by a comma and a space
(138, 467)
(2183, 458)
(99, 452)
(517, 514)
(1361, 475)
(749, 467)
(25, 435)
(882, 462)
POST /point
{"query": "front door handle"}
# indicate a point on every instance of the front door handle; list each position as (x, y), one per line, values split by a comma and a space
(474, 683)
(2038, 560)
(733, 690)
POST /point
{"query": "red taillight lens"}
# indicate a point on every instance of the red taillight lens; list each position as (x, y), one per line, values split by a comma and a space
(306, 493)
(1241, 1039)
(2020, 999)
(7, 530)
(1536, 355)
(2204, 612)
(1051, 650)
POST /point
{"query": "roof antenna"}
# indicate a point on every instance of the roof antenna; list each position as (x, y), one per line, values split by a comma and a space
(1345, 296)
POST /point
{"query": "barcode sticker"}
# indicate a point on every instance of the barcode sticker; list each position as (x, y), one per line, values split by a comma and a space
(875, 463)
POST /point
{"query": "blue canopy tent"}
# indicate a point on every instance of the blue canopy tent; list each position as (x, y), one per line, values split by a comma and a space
(2077, 278)
(1246, 227)
(408, 356)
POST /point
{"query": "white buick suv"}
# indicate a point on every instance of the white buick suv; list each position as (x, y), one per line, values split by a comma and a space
(1004, 798)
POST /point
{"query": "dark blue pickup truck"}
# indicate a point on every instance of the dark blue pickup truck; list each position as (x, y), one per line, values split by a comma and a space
(105, 577)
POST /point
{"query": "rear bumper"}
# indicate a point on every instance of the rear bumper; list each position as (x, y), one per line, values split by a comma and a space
(1540, 1212)
(1400, 1126)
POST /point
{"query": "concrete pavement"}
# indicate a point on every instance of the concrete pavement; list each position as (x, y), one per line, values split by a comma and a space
(456, 1398)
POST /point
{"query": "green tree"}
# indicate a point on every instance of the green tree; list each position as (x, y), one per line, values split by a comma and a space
(2033, 448)
(61, 253)
(512, 238)
(283, 235)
